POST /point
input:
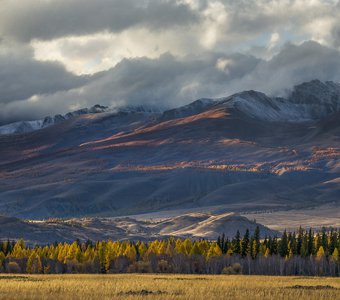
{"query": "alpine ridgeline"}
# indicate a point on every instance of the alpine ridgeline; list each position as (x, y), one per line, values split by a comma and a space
(246, 152)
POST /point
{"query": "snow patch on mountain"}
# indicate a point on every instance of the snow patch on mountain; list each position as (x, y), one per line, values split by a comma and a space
(21, 127)
(140, 109)
(29, 126)
(258, 105)
(308, 101)
(193, 108)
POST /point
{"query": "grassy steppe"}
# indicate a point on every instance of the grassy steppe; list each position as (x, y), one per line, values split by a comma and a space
(177, 286)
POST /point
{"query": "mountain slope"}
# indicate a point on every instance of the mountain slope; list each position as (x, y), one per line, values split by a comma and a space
(312, 100)
(240, 154)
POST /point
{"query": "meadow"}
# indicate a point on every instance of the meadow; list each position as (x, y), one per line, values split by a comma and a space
(174, 286)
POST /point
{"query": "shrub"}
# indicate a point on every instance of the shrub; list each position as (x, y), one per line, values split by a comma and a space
(13, 267)
(140, 267)
(236, 268)
(164, 266)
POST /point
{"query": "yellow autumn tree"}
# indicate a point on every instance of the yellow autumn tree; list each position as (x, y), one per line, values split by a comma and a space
(2, 258)
(34, 265)
(142, 250)
(170, 249)
(214, 250)
(195, 250)
(130, 252)
(335, 254)
(186, 247)
(111, 253)
(74, 252)
(162, 246)
(321, 253)
(19, 250)
(178, 246)
(204, 247)
(63, 252)
(153, 248)
(266, 254)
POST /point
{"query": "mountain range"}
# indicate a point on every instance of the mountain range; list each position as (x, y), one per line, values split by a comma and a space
(248, 152)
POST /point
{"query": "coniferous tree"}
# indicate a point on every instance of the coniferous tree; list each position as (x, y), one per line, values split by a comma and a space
(226, 246)
(265, 241)
(324, 240)
(283, 245)
(317, 241)
(257, 237)
(254, 251)
(223, 243)
(245, 244)
(251, 247)
(219, 242)
(304, 247)
(275, 246)
(270, 245)
(178, 255)
(299, 241)
(222, 246)
(333, 241)
(310, 242)
(237, 243)
(292, 245)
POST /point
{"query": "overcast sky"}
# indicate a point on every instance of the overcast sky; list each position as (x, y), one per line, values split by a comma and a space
(61, 55)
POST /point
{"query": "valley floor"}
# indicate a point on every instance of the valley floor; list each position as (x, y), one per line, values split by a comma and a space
(174, 286)
(314, 217)
(327, 215)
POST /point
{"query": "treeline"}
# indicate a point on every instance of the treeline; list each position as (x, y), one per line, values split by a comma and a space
(301, 253)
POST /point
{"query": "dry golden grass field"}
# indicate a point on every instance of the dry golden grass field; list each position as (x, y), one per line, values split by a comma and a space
(177, 286)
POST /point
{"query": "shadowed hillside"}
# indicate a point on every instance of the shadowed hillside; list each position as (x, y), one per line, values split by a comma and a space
(246, 152)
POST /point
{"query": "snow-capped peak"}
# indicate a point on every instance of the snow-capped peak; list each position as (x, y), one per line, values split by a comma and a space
(140, 109)
(318, 99)
(308, 101)
(28, 126)
(21, 127)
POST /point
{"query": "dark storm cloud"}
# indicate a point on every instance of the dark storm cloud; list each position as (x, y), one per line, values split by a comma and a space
(293, 65)
(203, 34)
(27, 20)
(170, 81)
(164, 82)
(22, 77)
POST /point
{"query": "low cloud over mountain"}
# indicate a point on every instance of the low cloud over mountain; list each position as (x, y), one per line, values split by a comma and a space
(160, 53)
